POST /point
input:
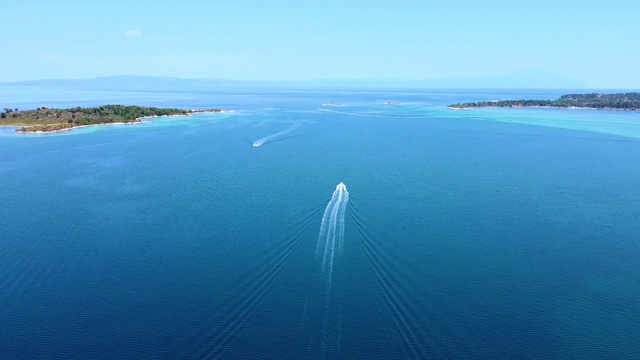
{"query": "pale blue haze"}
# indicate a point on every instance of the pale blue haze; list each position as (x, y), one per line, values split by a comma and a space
(591, 41)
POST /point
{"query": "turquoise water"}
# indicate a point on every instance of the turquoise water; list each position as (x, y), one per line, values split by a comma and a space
(494, 233)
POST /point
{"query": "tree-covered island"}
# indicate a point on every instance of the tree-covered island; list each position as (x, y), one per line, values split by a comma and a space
(621, 101)
(45, 120)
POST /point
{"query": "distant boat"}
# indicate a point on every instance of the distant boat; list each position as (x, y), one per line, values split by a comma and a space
(341, 186)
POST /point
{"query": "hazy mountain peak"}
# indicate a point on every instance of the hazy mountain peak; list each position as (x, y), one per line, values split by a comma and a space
(531, 77)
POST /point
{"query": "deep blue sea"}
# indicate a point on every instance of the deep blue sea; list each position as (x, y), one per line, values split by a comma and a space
(459, 234)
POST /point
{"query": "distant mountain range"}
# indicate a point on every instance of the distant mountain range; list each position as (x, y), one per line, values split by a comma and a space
(531, 78)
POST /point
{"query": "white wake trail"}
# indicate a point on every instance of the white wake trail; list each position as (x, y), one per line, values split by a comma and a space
(265, 139)
(332, 230)
(322, 238)
(330, 246)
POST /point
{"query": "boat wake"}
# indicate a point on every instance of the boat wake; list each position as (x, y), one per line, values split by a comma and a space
(332, 230)
(266, 139)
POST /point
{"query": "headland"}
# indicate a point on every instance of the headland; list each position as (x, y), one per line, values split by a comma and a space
(47, 120)
(620, 101)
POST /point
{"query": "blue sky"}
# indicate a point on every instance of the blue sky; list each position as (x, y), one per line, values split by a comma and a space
(594, 41)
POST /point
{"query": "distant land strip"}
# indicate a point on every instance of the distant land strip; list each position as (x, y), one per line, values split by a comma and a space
(620, 101)
(46, 120)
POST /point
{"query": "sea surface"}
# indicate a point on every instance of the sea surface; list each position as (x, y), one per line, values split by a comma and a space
(458, 234)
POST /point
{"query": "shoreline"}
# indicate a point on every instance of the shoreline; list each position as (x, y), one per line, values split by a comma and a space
(73, 127)
(137, 121)
(591, 101)
(538, 107)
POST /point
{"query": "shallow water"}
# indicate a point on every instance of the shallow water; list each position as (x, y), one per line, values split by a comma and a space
(467, 234)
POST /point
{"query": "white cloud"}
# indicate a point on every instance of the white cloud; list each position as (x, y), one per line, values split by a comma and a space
(133, 33)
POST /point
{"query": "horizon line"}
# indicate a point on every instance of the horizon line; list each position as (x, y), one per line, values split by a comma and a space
(399, 82)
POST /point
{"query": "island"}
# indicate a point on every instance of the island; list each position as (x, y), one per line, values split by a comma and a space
(620, 101)
(46, 120)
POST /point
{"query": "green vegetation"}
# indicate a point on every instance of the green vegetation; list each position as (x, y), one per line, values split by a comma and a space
(50, 120)
(626, 101)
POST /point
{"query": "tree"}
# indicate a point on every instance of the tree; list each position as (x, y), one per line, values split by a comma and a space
(3, 115)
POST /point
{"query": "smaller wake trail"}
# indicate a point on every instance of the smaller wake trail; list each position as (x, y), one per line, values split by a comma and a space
(332, 230)
(266, 139)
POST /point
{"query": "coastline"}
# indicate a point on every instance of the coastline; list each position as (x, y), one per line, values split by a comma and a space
(539, 107)
(137, 121)
(591, 101)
